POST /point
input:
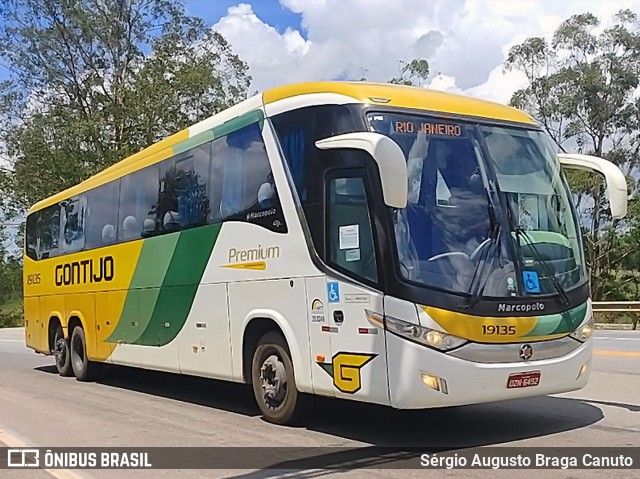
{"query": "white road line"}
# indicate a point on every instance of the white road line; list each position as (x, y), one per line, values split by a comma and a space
(14, 442)
(617, 339)
(12, 340)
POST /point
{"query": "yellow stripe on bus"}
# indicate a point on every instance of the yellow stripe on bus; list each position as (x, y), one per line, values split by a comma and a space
(258, 265)
(483, 329)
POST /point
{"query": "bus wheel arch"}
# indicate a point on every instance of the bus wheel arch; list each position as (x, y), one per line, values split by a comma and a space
(268, 366)
(253, 331)
(59, 347)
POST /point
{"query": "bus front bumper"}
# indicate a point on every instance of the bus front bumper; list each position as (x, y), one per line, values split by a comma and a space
(416, 375)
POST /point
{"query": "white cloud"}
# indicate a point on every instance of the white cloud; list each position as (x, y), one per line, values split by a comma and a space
(465, 41)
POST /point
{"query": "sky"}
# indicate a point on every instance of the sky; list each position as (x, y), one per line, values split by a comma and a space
(465, 41)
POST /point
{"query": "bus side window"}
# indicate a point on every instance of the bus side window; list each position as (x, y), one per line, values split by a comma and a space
(139, 194)
(31, 243)
(48, 232)
(242, 174)
(183, 196)
(102, 217)
(350, 237)
(73, 215)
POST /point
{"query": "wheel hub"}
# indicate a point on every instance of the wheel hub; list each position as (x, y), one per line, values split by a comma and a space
(273, 379)
(61, 350)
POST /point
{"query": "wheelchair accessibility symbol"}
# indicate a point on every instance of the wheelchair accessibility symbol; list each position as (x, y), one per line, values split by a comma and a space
(333, 292)
(531, 282)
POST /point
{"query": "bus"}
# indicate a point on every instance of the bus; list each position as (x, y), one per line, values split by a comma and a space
(381, 243)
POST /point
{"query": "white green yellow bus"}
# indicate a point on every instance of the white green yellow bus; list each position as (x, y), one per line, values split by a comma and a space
(374, 242)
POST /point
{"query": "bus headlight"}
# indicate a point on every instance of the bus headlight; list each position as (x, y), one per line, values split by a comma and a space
(584, 332)
(427, 336)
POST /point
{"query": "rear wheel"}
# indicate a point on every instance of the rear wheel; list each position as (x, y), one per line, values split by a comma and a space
(83, 369)
(273, 381)
(62, 353)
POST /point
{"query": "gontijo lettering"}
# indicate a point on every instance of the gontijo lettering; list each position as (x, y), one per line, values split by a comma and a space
(85, 271)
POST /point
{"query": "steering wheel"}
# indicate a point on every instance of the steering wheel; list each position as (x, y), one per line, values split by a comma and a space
(450, 254)
(478, 251)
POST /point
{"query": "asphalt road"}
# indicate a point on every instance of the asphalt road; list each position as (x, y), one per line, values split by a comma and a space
(137, 408)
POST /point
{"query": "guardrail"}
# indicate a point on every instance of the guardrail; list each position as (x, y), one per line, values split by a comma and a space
(619, 307)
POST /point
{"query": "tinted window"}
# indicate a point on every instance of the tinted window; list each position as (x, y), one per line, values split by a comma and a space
(102, 215)
(43, 233)
(298, 130)
(350, 241)
(73, 215)
(227, 179)
(242, 174)
(138, 204)
(183, 199)
(31, 242)
(48, 228)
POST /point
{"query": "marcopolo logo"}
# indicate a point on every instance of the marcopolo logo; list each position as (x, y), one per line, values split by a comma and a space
(520, 307)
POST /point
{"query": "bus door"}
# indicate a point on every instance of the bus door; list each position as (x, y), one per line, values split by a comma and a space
(354, 308)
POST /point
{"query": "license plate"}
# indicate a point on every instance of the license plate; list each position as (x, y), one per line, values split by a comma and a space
(523, 380)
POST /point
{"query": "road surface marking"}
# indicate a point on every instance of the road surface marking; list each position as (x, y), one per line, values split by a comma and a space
(626, 354)
(12, 441)
(617, 339)
(12, 340)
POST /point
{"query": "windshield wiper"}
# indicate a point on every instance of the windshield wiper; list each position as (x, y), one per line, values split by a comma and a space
(479, 279)
(520, 232)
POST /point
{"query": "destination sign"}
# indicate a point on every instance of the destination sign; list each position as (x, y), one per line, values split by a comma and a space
(428, 128)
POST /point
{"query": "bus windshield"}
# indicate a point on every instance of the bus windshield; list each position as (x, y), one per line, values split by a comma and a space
(489, 211)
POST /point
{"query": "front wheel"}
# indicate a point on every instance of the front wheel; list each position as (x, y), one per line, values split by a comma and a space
(61, 352)
(273, 381)
(84, 369)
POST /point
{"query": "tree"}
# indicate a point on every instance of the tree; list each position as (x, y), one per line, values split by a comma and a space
(93, 81)
(580, 88)
(413, 73)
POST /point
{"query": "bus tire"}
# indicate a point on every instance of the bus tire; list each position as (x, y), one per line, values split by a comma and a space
(62, 353)
(273, 381)
(83, 369)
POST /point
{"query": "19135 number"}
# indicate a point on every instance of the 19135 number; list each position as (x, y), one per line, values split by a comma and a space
(498, 330)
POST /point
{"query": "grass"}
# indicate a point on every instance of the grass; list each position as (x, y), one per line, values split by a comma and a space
(616, 318)
(11, 306)
(11, 314)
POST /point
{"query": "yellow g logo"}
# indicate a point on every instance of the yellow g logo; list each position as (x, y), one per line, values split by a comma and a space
(345, 370)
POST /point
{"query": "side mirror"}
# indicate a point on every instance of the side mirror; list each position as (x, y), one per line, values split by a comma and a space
(616, 183)
(388, 156)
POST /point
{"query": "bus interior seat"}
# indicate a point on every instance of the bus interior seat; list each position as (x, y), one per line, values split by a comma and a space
(108, 234)
(148, 227)
(265, 195)
(130, 228)
(171, 221)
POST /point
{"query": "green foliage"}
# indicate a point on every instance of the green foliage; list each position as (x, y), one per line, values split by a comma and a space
(93, 81)
(413, 73)
(581, 88)
(11, 313)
